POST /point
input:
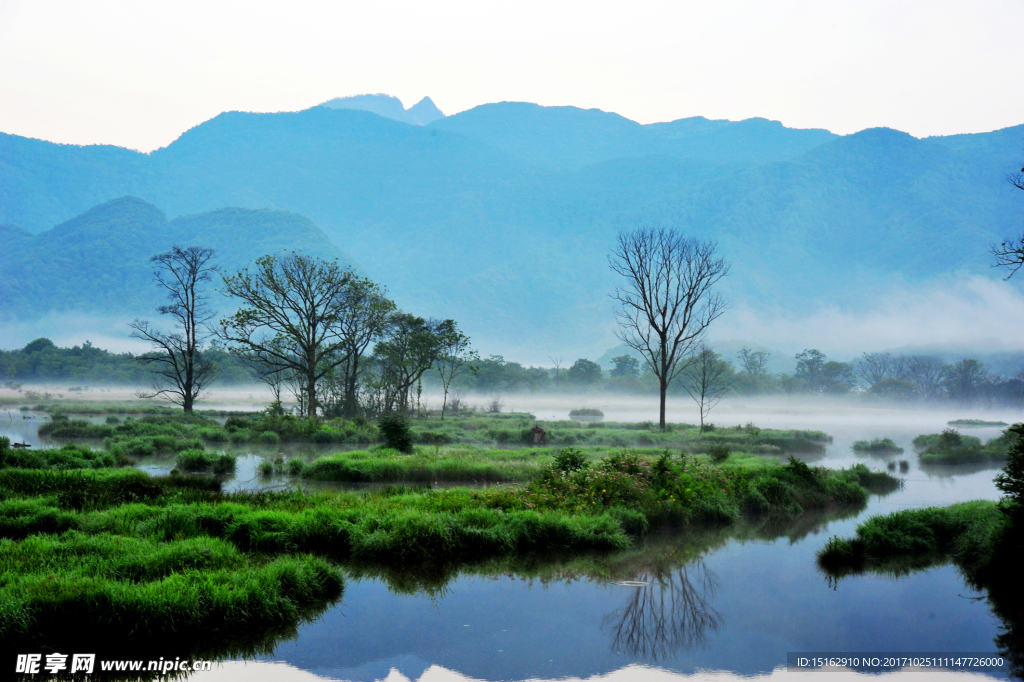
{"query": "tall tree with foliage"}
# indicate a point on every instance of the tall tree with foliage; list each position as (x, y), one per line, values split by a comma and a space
(454, 358)
(367, 314)
(288, 318)
(626, 367)
(667, 299)
(410, 347)
(181, 371)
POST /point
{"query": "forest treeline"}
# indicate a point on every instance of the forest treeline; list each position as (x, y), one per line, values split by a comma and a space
(895, 377)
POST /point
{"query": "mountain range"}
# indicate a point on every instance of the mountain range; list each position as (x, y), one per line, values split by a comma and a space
(502, 216)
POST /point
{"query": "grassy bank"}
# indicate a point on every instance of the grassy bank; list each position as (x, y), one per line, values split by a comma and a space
(952, 447)
(162, 432)
(914, 538)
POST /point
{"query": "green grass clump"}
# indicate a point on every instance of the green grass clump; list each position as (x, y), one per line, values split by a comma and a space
(877, 445)
(200, 460)
(69, 456)
(952, 447)
(53, 585)
(916, 537)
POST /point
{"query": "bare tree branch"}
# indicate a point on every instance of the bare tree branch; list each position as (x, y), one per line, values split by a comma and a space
(667, 302)
(181, 373)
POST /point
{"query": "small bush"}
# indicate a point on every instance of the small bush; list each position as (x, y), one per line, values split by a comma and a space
(265, 469)
(570, 459)
(113, 420)
(395, 429)
(295, 467)
(718, 453)
(270, 438)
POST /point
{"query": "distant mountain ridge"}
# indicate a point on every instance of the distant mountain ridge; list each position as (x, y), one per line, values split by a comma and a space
(99, 261)
(502, 216)
(421, 113)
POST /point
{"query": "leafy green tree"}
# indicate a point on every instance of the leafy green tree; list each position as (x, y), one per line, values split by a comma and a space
(367, 313)
(454, 358)
(410, 347)
(288, 318)
(584, 373)
(626, 367)
(822, 375)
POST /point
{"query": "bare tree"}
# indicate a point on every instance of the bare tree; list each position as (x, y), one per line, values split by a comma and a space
(557, 362)
(667, 301)
(755, 363)
(1010, 253)
(875, 368)
(925, 373)
(288, 319)
(704, 379)
(180, 368)
(454, 359)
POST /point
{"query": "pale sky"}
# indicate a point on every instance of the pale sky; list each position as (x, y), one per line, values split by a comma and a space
(138, 74)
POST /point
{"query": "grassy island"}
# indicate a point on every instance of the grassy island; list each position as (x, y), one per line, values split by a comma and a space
(877, 446)
(952, 447)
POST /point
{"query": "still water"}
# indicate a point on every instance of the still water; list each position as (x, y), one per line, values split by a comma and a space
(726, 607)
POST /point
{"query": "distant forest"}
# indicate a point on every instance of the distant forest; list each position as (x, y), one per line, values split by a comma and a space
(874, 375)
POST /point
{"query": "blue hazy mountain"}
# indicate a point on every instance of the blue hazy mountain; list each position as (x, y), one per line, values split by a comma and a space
(421, 113)
(98, 262)
(502, 216)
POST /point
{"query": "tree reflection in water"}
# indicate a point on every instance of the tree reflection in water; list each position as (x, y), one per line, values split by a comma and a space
(672, 613)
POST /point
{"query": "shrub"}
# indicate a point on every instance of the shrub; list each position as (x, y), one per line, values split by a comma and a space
(570, 459)
(270, 438)
(394, 427)
(718, 453)
(192, 460)
(265, 469)
(111, 419)
(295, 467)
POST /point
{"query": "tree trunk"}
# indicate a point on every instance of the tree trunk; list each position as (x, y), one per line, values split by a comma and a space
(664, 390)
(311, 396)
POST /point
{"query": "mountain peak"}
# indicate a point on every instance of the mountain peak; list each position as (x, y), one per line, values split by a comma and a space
(422, 113)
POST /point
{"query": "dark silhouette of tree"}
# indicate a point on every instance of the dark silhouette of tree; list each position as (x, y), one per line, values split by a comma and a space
(1010, 252)
(667, 301)
(289, 318)
(179, 367)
